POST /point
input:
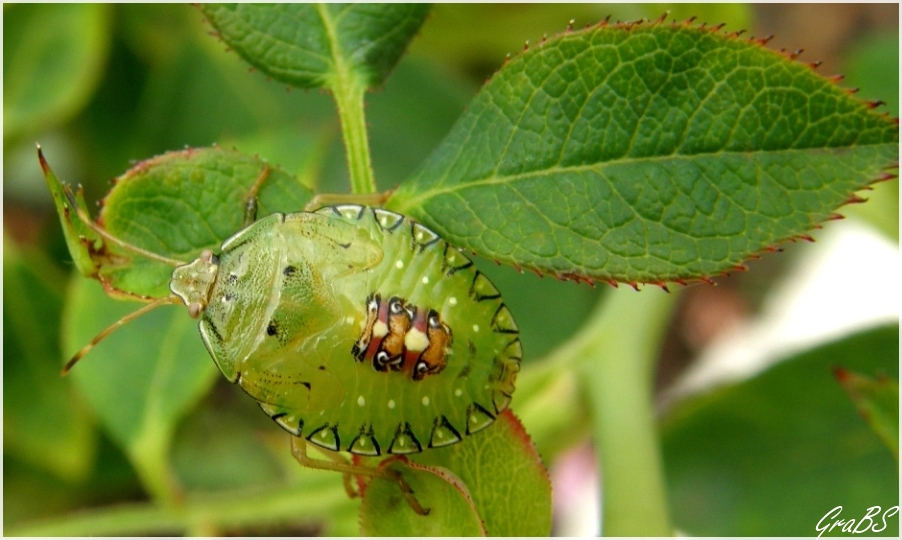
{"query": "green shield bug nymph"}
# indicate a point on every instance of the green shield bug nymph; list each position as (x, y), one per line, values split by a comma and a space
(354, 328)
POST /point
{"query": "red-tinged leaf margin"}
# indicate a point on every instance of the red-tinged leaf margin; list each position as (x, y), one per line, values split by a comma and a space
(739, 267)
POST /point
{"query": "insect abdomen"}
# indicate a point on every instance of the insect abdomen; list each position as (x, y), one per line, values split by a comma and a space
(422, 346)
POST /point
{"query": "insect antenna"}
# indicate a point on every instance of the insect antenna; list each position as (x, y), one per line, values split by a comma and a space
(171, 299)
(86, 219)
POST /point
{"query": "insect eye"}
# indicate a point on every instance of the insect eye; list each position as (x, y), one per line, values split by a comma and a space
(395, 306)
(433, 320)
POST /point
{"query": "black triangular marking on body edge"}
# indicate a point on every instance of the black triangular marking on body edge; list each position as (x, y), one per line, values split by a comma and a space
(442, 422)
(435, 240)
(459, 268)
(480, 297)
(495, 405)
(483, 409)
(470, 410)
(496, 328)
(336, 211)
(333, 429)
(449, 270)
(515, 340)
(368, 433)
(278, 415)
(404, 429)
(418, 246)
(400, 219)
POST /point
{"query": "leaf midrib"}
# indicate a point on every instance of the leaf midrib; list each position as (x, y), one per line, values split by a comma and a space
(342, 75)
(415, 201)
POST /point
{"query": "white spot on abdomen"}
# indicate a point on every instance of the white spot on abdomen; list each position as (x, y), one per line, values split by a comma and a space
(416, 341)
(399, 264)
(361, 401)
(391, 404)
(380, 329)
(452, 301)
(425, 400)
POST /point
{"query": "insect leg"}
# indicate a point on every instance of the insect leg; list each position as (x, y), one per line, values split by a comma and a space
(346, 477)
(299, 451)
(250, 202)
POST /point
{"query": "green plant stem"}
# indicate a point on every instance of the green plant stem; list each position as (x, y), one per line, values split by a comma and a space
(149, 453)
(349, 99)
(348, 90)
(619, 366)
(219, 512)
(620, 387)
(613, 358)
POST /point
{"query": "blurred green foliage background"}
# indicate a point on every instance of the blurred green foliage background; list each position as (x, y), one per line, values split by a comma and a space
(100, 86)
